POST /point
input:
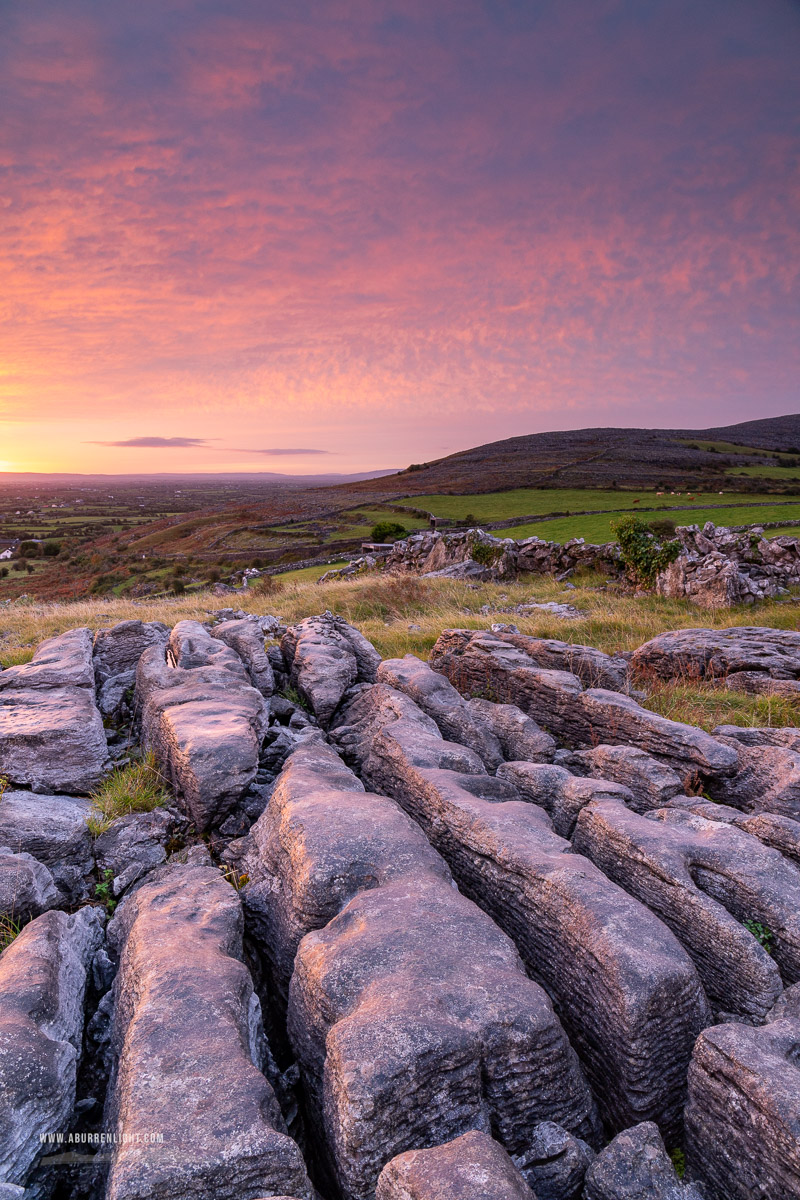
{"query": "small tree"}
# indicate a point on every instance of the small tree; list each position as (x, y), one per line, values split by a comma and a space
(643, 556)
(387, 531)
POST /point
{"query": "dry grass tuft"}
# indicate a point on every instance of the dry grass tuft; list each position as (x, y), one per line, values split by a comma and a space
(137, 787)
(9, 929)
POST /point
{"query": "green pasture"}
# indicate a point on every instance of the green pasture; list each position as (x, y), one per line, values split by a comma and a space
(524, 502)
(597, 526)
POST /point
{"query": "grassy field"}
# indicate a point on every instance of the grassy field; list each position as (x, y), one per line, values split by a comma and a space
(530, 502)
(597, 528)
(405, 615)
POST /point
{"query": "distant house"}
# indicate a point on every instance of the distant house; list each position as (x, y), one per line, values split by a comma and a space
(6, 553)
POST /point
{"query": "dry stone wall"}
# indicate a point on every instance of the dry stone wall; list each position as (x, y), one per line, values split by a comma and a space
(484, 926)
(715, 567)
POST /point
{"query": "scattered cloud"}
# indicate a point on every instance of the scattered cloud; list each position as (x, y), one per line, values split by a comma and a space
(155, 443)
(278, 450)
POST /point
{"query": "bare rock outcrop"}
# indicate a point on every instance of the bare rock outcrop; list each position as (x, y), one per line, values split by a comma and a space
(470, 1167)
(594, 668)
(767, 779)
(53, 830)
(58, 662)
(487, 665)
(245, 636)
(743, 1115)
(561, 794)
(203, 719)
(325, 656)
(627, 993)
(414, 1020)
(320, 841)
(652, 784)
(782, 833)
(439, 700)
(555, 1163)
(136, 843)
(188, 1048)
(51, 732)
(705, 880)
(43, 978)
(720, 653)
(26, 886)
(636, 1165)
(410, 1012)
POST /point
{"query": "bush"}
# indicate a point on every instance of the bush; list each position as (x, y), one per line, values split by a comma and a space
(643, 556)
(662, 527)
(387, 531)
(29, 549)
(51, 549)
(486, 554)
(178, 587)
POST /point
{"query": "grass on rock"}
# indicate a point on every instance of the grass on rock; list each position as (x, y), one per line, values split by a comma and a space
(384, 607)
(136, 788)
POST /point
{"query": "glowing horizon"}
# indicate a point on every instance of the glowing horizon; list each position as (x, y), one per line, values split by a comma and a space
(310, 238)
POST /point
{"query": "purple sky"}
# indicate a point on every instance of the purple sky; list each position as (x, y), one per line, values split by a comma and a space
(238, 233)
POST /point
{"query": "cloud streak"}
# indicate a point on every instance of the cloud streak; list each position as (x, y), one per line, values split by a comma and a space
(281, 450)
(158, 443)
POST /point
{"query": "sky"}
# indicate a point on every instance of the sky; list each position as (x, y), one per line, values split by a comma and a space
(312, 236)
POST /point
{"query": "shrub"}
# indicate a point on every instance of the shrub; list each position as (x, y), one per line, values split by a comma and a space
(471, 520)
(138, 787)
(387, 531)
(51, 549)
(662, 527)
(643, 556)
(178, 587)
(486, 554)
(3, 572)
(29, 549)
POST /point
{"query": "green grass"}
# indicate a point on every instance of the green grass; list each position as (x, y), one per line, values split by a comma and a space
(309, 573)
(597, 528)
(524, 502)
(16, 657)
(789, 474)
(138, 787)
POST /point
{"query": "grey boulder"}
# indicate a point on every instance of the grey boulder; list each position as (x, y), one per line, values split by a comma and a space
(43, 977)
(53, 830)
(634, 1166)
(471, 1167)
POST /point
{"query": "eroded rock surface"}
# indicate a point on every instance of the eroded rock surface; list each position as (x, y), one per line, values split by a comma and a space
(743, 1115)
(634, 1166)
(203, 719)
(717, 653)
(555, 1163)
(51, 732)
(26, 886)
(188, 1046)
(43, 978)
(652, 784)
(471, 1167)
(705, 879)
(321, 840)
(247, 639)
(326, 656)
(628, 994)
(488, 665)
(53, 830)
(413, 1020)
(594, 668)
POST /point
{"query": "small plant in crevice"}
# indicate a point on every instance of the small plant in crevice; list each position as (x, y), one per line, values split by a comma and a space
(9, 929)
(235, 878)
(678, 1161)
(291, 694)
(763, 935)
(103, 892)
